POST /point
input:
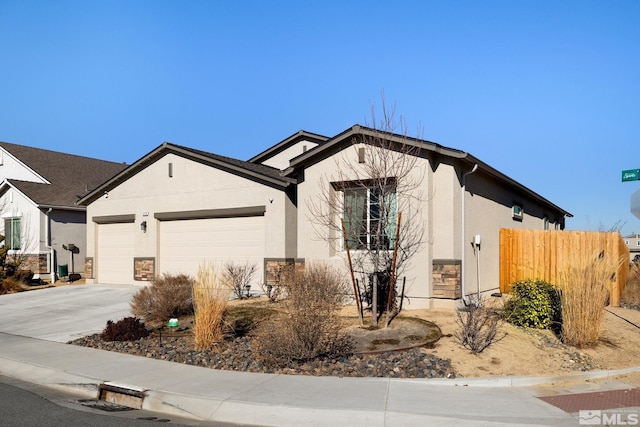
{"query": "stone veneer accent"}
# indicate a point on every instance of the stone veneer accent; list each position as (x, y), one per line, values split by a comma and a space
(273, 268)
(37, 263)
(447, 278)
(144, 269)
(88, 267)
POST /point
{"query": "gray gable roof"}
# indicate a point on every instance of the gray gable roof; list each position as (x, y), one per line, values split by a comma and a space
(288, 142)
(356, 133)
(256, 168)
(257, 172)
(70, 176)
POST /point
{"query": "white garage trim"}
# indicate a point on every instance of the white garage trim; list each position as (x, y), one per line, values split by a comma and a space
(212, 213)
(114, 219)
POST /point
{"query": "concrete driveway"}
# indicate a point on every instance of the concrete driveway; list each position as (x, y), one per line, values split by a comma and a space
(64, 313)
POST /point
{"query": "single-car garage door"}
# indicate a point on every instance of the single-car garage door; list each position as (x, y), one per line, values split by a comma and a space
(185, 244)
(115, 253)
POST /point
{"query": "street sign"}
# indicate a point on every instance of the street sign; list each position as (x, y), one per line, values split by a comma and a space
(631, 175)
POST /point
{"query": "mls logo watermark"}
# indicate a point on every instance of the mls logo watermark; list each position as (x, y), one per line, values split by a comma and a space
(602, 418)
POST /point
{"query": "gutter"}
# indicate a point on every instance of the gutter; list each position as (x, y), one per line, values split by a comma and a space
(75, 208)
(463, 233)
(47, 237)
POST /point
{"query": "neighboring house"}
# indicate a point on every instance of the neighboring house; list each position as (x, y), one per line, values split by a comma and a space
(177, 207)
(633, 243)
(39, 190)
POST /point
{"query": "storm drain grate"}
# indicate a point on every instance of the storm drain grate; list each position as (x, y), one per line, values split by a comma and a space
(128, 396)
(103, 405)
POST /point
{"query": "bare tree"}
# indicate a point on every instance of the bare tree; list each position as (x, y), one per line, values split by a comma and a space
(238, 277)
(360, 205)
(616, 227)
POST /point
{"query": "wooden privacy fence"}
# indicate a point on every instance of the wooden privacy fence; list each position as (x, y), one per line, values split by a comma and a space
(544, 254)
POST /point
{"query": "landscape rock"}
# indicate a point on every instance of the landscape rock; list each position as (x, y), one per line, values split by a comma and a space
(236, 355)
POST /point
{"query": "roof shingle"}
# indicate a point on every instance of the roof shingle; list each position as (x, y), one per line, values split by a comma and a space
(70, 176)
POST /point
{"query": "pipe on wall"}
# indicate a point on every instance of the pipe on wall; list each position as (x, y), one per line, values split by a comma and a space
(463, 233)
(47, 237)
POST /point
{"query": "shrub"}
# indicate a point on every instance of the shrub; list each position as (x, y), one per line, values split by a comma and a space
(533, 304)
(168, 296)
(10, 285)
(276, 290)
(631, 293)
(478, 326)
(210, 299)
(585, 292)
(127, 329)
(238, 277)
(310, 325)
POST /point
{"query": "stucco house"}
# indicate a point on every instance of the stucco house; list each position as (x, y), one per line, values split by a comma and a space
(177, 207)
(633, 243)
(39, 190)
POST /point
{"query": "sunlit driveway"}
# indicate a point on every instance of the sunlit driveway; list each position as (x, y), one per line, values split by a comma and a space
(64, 313)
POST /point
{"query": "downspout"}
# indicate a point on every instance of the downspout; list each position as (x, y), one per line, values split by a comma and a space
(463, 233)
(47, 238)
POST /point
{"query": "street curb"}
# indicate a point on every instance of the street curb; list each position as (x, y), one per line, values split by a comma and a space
(236, 411)
(50, 377)
(521, 381)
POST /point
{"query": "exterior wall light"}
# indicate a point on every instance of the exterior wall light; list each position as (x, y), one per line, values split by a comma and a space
(143, 226)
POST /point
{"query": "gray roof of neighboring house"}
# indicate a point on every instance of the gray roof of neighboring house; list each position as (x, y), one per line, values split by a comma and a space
(257, 172)
(70, 176)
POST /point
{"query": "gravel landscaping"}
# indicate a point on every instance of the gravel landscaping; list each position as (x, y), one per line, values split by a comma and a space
(236, 355)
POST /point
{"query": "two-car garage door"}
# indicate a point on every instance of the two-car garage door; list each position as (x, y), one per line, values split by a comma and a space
(185, 244)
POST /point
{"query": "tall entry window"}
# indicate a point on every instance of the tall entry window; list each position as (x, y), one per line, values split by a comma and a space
(369, 216)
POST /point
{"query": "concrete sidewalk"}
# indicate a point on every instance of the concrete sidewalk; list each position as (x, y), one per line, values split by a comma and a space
(261, 399)
(277, 400)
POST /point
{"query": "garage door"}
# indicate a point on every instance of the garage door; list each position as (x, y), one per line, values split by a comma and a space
(186, 244)
(115, 253)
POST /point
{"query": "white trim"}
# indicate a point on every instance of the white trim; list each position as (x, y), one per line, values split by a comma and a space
(20, 162)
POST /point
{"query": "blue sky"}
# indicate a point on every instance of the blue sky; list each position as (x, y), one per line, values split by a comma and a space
(545, 91)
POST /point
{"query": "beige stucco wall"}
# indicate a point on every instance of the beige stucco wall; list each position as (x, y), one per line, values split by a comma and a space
(433, 191)
(444, 201)
(488, 206)
(193, 186)
(281, 160)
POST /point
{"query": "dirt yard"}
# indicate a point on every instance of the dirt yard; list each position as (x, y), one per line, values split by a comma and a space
(537, 353)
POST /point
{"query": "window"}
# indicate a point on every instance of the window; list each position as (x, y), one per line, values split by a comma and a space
(370, 216)
(517, 211)
(12, 235)
(546, 223)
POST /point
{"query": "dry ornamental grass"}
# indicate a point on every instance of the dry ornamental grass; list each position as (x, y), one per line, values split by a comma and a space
(584, 293)
(210, 299)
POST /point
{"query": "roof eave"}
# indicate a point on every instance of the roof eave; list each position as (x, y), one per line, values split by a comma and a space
(75, 208)
(425, 145)
(472, 160)
(168, 147)
(360, 130)
(300, 135)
